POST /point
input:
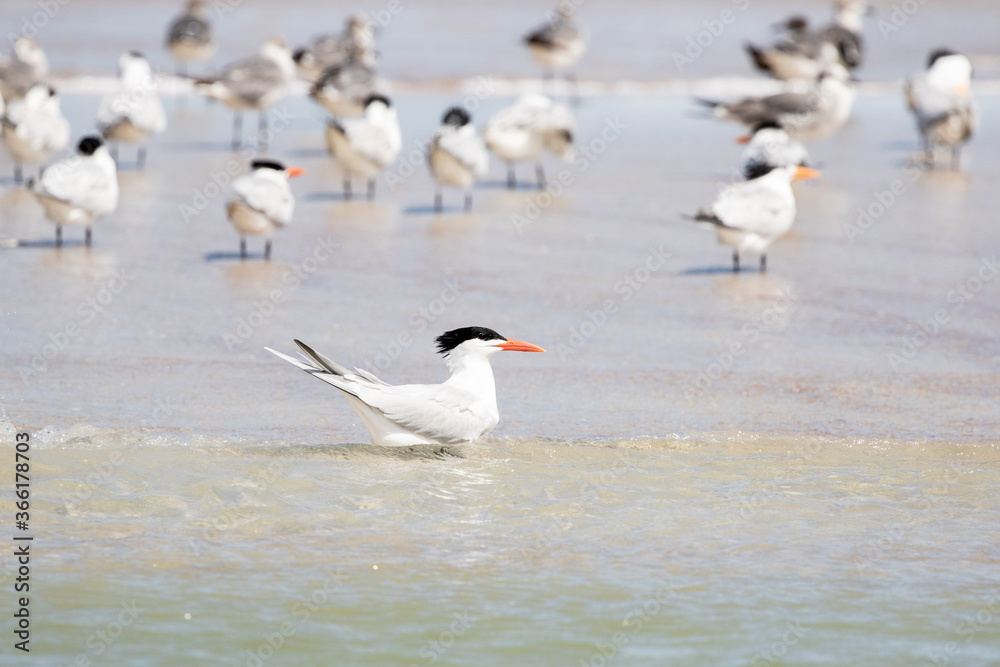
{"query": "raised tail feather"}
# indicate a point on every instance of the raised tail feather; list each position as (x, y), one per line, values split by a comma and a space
(759, 57)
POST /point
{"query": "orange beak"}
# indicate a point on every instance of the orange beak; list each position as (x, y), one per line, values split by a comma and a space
(805, 172)
(294, 171)
(745, 139)
(519, 346)
(963, 89)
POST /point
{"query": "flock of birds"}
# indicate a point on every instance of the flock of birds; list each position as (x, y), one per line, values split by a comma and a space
(363, 136)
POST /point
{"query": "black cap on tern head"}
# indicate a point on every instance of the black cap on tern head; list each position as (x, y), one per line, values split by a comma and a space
(767, 125)
(137, 54)
(449, 340)
(939, 53)
(89, 144)
(758, 169)
(456, 116)
(267, 164)
(377, 98)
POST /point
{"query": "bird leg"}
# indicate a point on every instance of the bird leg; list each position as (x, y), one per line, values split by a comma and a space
(437, 201)
(58, 236)
(18, 173)
(237, 129)
(114, 153)
(371, 189)
(956, 157)
(574, 85)
(540, 173)
(468, 201)
(87, 237)
(511, 176)
(262, 130)
(140, 159)
(736, 261)
(267, 249)
(763, 263)
(243, 247)
(347, 187)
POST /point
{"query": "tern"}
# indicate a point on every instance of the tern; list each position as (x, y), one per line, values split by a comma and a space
(79, 189)
(558, 45)
(461, 410)
(254, 83)
(364, 146)
(34, 128)
(522, 132)
(805, 116)
(770, 146)
(803, 54)
(939, 98)
(189, 37)
(357, 43)
(25, 69)
(135, 112)
(262, 202)
(751, 215)
(343, 88)
(457, 155)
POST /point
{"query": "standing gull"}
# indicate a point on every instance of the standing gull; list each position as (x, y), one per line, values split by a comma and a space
(262, 202)
(135, 112)
(751, 215)
(457, 155)
(364, 146)
(522, 132)
(356, 43)
(34, 128)
(558, 45)
(189, 37)
(79, 189)
(939, 98)
(255, 83)
(343, 88)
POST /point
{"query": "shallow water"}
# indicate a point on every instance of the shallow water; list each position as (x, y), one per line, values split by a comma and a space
(645, 500)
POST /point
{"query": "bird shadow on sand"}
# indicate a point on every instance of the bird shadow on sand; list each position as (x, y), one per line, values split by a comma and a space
(42, 243)
(717, 270)
(221, 256)
(353, 451)
(502, 185)
(308, 152)
(331, 196)
(207, 147)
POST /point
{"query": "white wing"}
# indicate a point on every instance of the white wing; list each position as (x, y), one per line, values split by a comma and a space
(379, 141)
(466, 146)
(82, 182)
(272, 198)
(755, 207)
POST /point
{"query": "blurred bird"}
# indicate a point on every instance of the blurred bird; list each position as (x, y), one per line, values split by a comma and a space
(189, 37)
(457, 155)
(558, 45)
(79, 189)
(262, 202)
(343, 88)
(522, 132)
(940, 100)
(805, 116)
(751, 215)
(254, 83)
(135, 112)
(770, 146)
(27, 67)
(364, 146)
(462, 409)
(34, 128)
(802, 54)
(355, 44)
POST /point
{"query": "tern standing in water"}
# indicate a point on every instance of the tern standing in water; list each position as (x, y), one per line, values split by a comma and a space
(79, 189)
(255, 83)
(364, 146)
(940, 100)
(134, 113)
(457, 155)
(189, 37)
(262, 202)
(751, 215)
(34, 128)
(460, 410)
